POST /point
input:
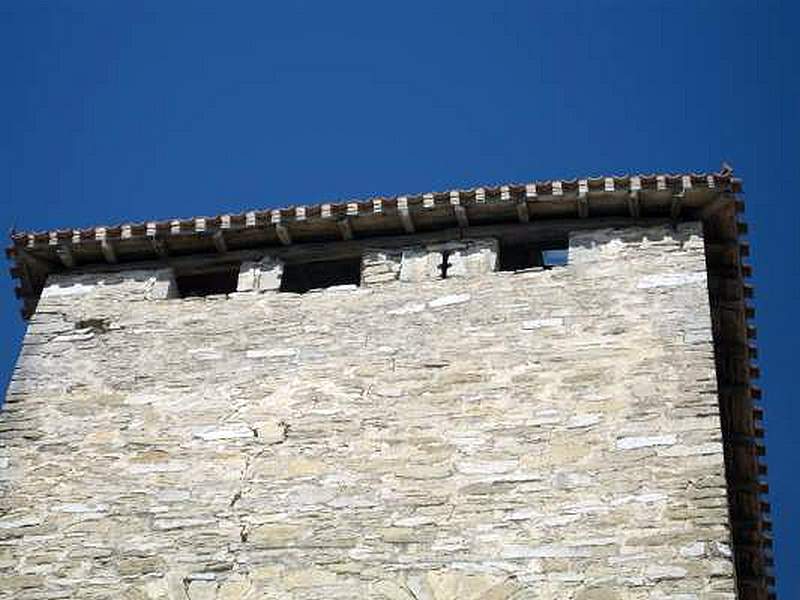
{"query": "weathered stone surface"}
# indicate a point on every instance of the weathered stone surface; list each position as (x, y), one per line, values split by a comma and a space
(542, 434)
(262, 276)
(420, 264)
(474, 257)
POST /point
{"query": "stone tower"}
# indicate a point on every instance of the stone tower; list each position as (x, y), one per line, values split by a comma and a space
(528, 391)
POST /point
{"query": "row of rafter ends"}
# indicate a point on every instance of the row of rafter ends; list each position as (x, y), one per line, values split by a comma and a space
(759, 583)
(755, 392)
(757, 486)
(747, 352)
(547, 191)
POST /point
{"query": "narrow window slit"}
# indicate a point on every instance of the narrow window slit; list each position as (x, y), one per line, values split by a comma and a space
(445, 263)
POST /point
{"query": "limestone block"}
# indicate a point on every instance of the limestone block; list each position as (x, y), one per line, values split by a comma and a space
(599, 593)
(662, 572)
(202, 590)
(661, 280)
(420, 264)
(475, 257)
(390, 590)
(533, 324)
(634, 442)
(235, 587)
(161, 285)
(309, 578)
(156, 284)
(380, 266)
(449, 300)
(276, 536)
(226, 432)
(460, 585)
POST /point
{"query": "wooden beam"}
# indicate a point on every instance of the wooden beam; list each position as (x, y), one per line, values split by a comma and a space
(33, 262)
(280, 229)
(345, 228)
(715, 206)
(405, 214)
(583, 198)
(159, 247)
(65, 255)
(634, 205)
(459, 210)
(317, 251)
(522, 211)
(461, 216)
(283, 234)
(675, 207)
(583, 206)
(219, 242)
(109, 252)
(26, 279)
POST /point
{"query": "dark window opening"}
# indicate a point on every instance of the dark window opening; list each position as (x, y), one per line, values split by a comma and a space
(302, 277)
(519, 256)
(219, 280)
(516, 256)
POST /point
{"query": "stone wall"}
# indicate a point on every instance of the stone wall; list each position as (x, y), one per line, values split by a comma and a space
(492, 435)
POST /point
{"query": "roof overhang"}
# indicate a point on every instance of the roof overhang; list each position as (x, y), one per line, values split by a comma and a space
(680, 197)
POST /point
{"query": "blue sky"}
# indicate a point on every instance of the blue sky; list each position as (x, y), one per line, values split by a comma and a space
(125, 111)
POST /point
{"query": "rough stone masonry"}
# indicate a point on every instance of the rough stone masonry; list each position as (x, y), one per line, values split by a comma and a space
(542, 433)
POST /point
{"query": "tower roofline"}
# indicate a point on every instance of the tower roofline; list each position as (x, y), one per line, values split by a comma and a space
(678, 196)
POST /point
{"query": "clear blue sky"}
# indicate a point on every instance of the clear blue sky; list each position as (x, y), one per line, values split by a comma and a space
(118, 111)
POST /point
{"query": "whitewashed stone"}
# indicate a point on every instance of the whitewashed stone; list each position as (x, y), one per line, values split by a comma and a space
(80, 508)
(408, 309)
(486, 467)
(693, 550)
(16, 521)
(661, 572)
(723, 549)
(533, 324)
(641, 498)
(420, 264)
(449, 300)
(261, 276)
(546, 551)
(634, 442)
(709, 448)
(271, 353)
(585, 420)
(474, 257)
(228, 432)
(65, 288)
(660, 280)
